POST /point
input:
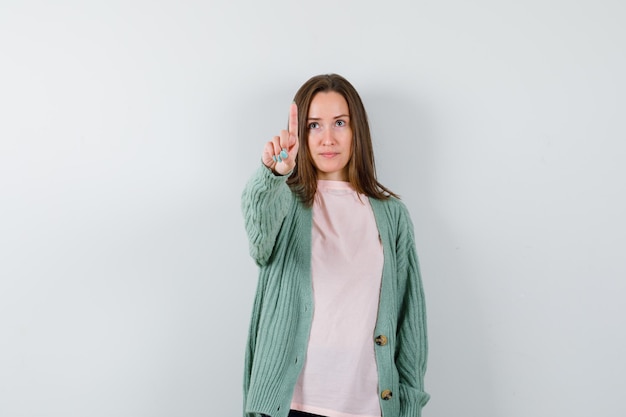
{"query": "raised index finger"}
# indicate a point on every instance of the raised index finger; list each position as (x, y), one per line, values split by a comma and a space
(293, 120)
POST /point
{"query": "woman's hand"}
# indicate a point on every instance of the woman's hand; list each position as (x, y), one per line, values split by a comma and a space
(279, 154)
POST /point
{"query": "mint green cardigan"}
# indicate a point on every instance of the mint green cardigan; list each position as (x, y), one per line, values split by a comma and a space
(279, 232)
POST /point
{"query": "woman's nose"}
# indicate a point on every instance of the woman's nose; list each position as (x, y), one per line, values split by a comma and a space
(327, 138)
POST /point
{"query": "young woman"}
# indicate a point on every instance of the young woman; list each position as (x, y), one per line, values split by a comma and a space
(338, 324)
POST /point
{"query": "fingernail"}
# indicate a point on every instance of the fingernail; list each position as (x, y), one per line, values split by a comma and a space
(279, 158)
(284, 153)
(274, 158)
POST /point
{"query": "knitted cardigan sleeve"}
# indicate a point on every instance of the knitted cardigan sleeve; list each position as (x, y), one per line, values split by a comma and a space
(265, 203)
(412, 345)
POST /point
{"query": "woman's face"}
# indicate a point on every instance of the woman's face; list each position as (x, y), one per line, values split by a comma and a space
(330, 135)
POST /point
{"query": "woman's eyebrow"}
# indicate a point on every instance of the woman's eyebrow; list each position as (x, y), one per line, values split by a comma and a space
(336, 117)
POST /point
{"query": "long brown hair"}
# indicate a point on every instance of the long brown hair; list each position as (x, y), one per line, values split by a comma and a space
(361, 166)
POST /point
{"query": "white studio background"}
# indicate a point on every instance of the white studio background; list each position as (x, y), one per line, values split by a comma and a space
(129, 128)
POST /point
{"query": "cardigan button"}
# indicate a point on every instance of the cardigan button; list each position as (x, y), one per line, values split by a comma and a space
(386, 395)
(381, 340)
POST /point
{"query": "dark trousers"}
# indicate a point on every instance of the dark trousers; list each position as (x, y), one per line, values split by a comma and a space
(295, 413)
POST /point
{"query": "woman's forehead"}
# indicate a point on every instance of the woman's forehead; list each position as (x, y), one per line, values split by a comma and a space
(328, 105)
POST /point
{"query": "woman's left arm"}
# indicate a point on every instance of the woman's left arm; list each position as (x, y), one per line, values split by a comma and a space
(412, 342)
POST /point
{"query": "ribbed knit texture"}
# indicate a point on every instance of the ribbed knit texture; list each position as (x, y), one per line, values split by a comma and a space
(279, 232)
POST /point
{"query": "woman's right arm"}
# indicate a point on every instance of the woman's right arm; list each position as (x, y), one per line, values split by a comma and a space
(265, 202)
(267, 198)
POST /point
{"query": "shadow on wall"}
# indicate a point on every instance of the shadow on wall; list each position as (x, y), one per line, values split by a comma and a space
(410, 160)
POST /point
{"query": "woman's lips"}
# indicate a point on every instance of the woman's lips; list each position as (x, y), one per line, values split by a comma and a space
(328, 154)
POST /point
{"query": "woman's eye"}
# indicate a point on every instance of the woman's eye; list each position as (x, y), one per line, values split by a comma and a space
(340, 123)
(314, 125)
